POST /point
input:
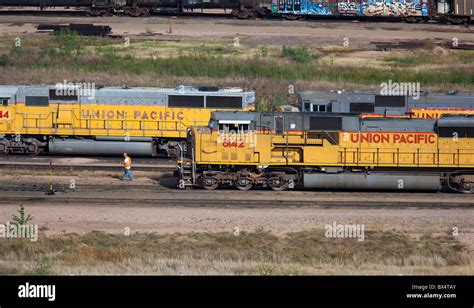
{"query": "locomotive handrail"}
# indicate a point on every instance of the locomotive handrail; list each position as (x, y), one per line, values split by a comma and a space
(358, 154)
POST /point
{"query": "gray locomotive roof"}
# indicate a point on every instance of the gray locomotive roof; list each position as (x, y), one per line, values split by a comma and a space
(234, 115)
(130, 96)
(151, 91)
(8, 91)
(456, 120)
(292, 120)
(342, 100)
(349, 122)
(318, 95)
(397, 125)
(334, 95)
(133, 91)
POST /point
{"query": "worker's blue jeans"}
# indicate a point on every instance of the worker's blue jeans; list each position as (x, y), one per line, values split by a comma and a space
(127, 173)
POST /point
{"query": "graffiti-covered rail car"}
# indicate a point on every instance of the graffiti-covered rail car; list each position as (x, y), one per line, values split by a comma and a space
(455, 11)
(415, 10)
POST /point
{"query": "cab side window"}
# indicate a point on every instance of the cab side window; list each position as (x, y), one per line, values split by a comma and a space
(243, 128)
(4, 101)
(224, 128)
(37, 101)
(233, 128)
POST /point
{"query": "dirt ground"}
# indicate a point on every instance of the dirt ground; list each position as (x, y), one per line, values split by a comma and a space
(271, 32)
(148, 204)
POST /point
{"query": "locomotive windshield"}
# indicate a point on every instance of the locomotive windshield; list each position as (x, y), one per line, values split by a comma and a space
(212, 124)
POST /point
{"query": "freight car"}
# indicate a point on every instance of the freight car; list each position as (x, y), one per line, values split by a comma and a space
(330, 151)
(425, 105)
(455, 11)
(135, 8)
(141, 121)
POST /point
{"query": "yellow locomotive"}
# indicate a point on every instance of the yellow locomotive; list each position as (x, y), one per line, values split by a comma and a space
(330, 151)
(74, 119)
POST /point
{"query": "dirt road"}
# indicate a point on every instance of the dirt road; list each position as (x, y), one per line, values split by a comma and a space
(272, 32)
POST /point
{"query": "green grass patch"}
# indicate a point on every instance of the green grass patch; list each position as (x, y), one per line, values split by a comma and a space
(299, 54)
(416, 59)
(200, 64)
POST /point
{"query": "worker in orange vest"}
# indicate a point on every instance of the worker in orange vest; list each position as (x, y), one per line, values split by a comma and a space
(127, 166)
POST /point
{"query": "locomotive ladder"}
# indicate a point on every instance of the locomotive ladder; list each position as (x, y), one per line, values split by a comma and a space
(187, 171)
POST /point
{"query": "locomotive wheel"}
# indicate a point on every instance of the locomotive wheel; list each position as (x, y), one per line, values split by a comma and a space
(412, 19)
(463, 183)
(459, 20)
(252, 15)
(277, 184)
(97, 12)
(3, 149)
(38, 151)
(243, 183)
(209, 183)
(467, 188)
(291, 17)
(242, 15)
(145, 12)
(32, 148)
(134, 12)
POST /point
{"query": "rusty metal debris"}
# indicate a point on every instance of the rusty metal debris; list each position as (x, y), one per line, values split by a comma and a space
(415, 44)
(83, 29)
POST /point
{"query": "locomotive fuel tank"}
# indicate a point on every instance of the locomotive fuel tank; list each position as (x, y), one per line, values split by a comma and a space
(96, 147)
(373, 181)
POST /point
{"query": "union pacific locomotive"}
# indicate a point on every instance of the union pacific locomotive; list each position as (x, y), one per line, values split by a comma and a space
(141, 121)
(455, 11)
(423, 105)
(330, 151)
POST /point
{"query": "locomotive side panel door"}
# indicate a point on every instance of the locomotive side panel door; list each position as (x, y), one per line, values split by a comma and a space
(7, 108)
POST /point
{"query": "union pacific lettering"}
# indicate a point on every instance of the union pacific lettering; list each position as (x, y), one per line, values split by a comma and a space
(135, 115)
(436, 113)
(397, 138)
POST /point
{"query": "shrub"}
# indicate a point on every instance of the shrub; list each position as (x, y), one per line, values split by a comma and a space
(298, 54)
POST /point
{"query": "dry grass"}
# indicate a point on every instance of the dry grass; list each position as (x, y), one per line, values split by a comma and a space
(260, 253)
(261, 68)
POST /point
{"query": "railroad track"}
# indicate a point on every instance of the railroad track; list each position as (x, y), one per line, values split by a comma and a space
(226, 203)
(6, 166)
(60, 163)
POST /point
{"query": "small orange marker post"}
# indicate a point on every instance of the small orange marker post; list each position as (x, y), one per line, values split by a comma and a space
(51, 190)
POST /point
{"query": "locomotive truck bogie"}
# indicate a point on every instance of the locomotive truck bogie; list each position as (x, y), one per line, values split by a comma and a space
(245, 179)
